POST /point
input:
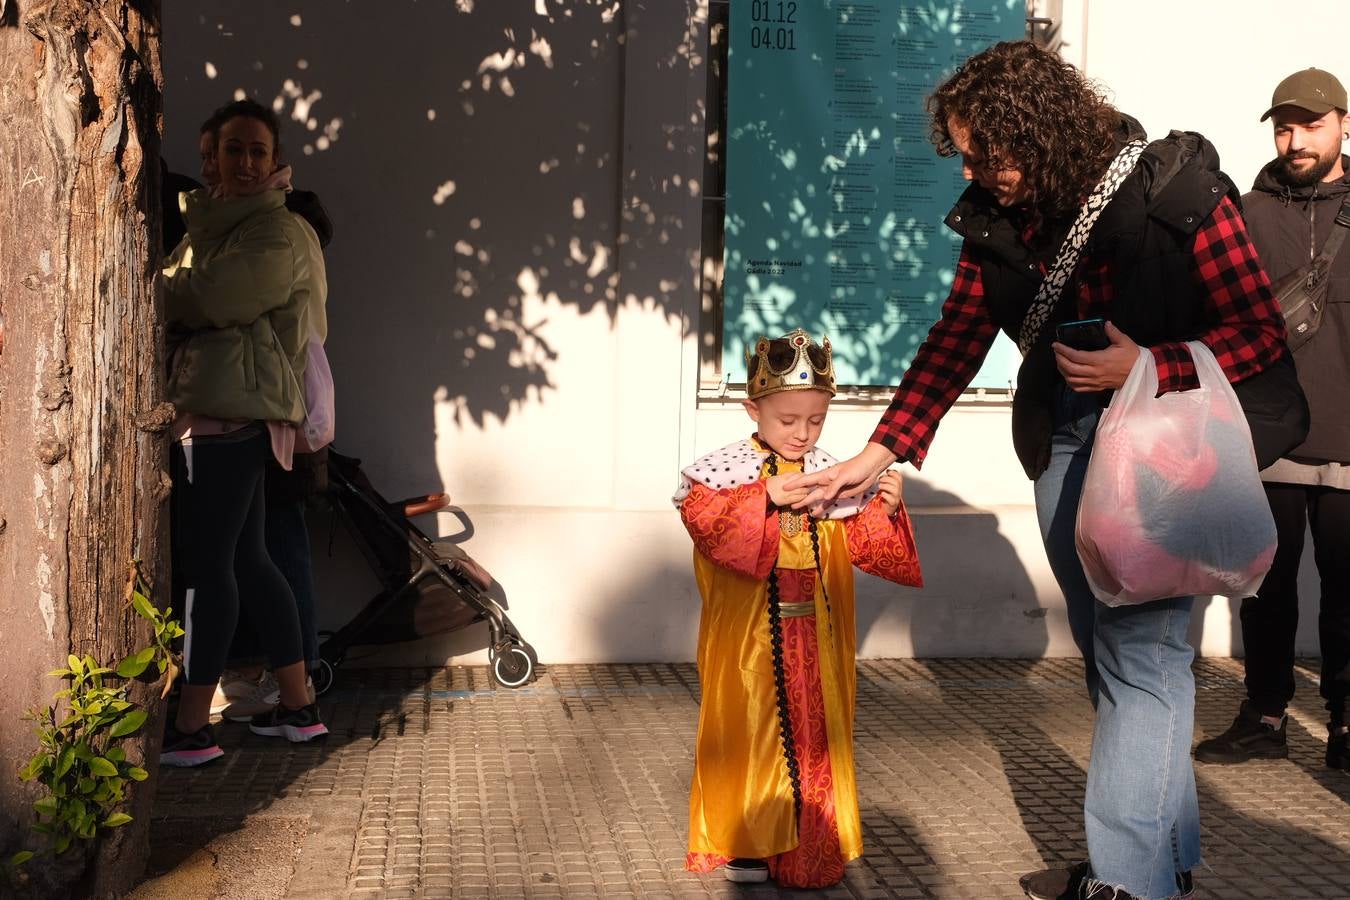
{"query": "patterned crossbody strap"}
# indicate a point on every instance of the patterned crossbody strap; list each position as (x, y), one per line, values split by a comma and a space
(1053, 286)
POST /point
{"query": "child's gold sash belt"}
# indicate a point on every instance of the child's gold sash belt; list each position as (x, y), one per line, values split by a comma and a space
(796, 610)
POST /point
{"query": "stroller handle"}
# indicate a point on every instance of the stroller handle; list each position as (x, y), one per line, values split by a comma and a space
(419, 506)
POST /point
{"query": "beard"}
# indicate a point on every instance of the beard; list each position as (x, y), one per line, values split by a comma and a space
(1287, 175)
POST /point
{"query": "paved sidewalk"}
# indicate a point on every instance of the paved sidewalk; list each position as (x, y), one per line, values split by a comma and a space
(435, 784)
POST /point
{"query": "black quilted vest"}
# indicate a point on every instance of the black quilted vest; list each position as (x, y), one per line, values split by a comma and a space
(1145, 232)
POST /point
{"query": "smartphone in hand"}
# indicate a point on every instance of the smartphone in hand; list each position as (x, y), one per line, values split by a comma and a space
(1084, 334)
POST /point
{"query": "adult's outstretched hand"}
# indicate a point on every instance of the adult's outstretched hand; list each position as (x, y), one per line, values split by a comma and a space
(846, 479)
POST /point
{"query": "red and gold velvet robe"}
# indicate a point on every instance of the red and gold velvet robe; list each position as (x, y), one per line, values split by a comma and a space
(741, 802)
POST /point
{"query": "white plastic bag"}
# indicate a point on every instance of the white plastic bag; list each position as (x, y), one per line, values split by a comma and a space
(319, 426)
(1172, 505)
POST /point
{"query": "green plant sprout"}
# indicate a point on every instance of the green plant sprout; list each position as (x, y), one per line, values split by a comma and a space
(79, 760)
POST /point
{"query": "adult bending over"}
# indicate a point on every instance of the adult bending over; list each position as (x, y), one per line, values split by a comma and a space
(1168, 260)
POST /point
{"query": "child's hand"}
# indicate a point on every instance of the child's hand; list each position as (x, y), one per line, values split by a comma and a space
(781, 493)
(888, 489)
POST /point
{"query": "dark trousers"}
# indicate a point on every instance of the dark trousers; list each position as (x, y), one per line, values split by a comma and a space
(288, 546)
(287, 493)
(1270, 619)
(221, 556)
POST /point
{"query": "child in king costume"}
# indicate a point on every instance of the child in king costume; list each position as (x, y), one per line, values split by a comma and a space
(773, 790)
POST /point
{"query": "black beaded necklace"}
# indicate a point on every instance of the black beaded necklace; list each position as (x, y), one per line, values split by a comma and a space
(776, 649)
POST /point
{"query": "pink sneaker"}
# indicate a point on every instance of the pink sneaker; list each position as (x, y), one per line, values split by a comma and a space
(296, 725)
(186, 750)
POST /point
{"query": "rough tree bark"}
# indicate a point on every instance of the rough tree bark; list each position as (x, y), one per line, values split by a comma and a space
(84, 478)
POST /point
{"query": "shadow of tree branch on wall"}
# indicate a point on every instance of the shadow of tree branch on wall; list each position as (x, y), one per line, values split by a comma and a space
(471, 158)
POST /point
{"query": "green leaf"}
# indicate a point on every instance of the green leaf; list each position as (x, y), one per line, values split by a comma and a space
(75, 665)
(136, 663)
(116, 819)
(116, 754)
(45, 807)
(20, 858)
(128, 723)
(100, 766)
(86, 786)
(62, 843)
(136, 773)
(34, 767)
(83, 753)
(65, 761)
(144, 608)
(60, 673)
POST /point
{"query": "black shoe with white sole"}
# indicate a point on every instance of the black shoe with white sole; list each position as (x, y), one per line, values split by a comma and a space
(746, 871)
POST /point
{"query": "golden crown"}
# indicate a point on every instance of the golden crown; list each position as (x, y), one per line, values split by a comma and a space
(802, 373)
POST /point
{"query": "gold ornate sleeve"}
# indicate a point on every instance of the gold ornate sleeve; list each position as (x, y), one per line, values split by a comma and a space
(884, 545)
(733, 527)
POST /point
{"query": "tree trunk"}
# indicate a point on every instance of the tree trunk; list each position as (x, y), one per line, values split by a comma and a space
(82, 417)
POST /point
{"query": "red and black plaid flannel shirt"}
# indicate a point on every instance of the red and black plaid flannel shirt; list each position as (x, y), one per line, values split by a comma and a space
(1247, 333)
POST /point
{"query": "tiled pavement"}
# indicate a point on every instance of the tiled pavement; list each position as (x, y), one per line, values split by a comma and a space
(435, 784)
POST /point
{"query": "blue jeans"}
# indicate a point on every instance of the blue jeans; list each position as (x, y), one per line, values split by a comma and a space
(1142, 817)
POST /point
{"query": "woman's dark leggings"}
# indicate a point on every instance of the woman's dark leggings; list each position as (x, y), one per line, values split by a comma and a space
(1270, 619)
(221, 555)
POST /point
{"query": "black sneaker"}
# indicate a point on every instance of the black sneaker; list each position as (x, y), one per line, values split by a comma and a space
(1068, 884)
(1106, 892)
(186, 750)
(1056, 884)
(1246, 739)
(1185, 891)
(746, 871)
(1338, 748)
(296, 725)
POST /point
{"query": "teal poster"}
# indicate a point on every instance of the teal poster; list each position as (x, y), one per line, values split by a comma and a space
(835, 196)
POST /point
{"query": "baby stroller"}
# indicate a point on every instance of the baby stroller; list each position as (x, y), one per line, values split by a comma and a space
(429, 586)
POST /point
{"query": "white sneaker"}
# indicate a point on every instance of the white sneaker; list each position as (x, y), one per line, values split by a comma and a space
(232, 686)
(247, 697)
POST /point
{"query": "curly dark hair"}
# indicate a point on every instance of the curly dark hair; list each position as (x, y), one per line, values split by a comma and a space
(1028, 109)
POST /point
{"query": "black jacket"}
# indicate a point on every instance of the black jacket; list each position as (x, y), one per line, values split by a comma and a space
(1145, 232)
(171, 217)
(1289, 227)
(306, 205)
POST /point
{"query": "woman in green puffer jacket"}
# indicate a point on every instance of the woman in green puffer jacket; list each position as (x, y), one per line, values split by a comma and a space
(243, 293)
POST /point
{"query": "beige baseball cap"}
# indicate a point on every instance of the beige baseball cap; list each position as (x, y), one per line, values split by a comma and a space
(1315, 90)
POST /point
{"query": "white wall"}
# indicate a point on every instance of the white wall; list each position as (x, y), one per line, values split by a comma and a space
(514, 301)
(1210, 66)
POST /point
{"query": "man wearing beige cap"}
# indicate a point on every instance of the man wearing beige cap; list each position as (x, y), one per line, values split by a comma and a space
(1291, 212)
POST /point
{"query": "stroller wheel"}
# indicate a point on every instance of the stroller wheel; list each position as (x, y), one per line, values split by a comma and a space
(512, 664)
(323, 676)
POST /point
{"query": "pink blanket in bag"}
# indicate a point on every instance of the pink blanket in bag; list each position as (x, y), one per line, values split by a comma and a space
(1157, 515)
